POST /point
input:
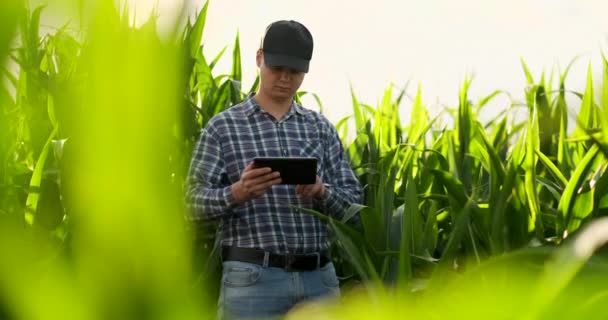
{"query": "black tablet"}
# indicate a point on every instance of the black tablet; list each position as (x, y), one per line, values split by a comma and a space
(293, 170)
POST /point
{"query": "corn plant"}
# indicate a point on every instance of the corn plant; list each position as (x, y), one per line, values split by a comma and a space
(94, 172)
(531, 283)
(94, 147)
(476, 190)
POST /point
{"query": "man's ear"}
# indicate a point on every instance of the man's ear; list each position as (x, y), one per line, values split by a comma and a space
(259, 57)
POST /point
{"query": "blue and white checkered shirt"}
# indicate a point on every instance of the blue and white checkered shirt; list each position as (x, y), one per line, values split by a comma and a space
(231, 140)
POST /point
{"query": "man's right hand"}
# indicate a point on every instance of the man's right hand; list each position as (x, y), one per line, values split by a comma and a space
(254, 183)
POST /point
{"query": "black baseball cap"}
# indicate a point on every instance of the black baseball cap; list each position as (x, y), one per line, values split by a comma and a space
(287, 43)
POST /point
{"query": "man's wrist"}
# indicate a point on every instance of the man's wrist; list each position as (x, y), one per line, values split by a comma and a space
(324, 191)
(229, 196)
(235, 193)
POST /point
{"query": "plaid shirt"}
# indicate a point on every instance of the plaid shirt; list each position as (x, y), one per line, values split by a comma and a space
(231, 140)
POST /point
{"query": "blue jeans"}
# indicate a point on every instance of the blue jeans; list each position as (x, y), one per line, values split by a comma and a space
(250, 291)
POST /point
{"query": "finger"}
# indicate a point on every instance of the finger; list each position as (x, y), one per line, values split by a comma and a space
(256, 172)
(253, 177)
(263, 187)
(312, 190)
(247, 169)
(310, 193)
(316, 190)
(305, 190)
(263, 179)
(299, 189)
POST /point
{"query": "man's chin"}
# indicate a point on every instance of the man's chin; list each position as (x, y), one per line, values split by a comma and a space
(283, 96)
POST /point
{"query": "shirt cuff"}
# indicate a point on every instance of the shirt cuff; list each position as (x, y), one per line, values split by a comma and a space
(229, 198)
(326, 195)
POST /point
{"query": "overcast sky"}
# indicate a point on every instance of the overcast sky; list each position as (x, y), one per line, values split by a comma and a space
(434, 43)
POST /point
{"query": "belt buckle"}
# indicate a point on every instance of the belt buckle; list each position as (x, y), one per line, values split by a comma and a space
(289, 261)
(318, 255)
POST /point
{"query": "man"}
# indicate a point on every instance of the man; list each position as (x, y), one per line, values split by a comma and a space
(274, 256)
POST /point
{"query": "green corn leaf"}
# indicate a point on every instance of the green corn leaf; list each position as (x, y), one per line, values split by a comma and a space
(465, 124)
(255, 86)
(433, 196)
(301, 94)
(374, 228)
(456, 237)
(605, 87)
(604, 107)
(498, 208)
(545, 128)
(567, 200)
(8, 24)
(419, 123)
(587, 117)
(319, 103)
(529, 77)
(237, 72)
(352, 210)
(582, 209)
(217, 58)
(560, 178)
(549, 85)
(494, 158)
(564, 160)
(441, 160)
(453, 186)
(11, 77)
(411, 232)
(49, 210)
(555, 189)
(203, 78)
(353, 242)
(342, 128)
(195, 36)
(500, 116)
(601, 188)
(35, 181)
(222, 98)
(564, 75)
(485, 100)
(563, 267)
(386, 185)
(360, 119)
(33, 37)
(451, 156)
(532, 143)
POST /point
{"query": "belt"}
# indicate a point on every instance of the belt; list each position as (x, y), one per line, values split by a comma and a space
(289, 262)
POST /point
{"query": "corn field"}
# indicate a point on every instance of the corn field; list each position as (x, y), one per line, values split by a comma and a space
(499, 219)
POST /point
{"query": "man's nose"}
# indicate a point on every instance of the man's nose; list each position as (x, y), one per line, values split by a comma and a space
(285, 74)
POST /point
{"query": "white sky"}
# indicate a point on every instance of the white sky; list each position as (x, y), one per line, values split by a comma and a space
(434, 43)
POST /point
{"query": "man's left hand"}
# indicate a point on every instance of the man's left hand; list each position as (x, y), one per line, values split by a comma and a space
(315, 190)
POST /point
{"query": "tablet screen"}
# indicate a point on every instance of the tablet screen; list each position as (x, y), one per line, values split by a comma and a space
(293, 170)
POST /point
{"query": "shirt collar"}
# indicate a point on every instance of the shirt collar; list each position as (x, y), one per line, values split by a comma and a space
(252, 106)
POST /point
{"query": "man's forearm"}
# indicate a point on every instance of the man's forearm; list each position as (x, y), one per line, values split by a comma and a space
(337, 200)
(207, 203)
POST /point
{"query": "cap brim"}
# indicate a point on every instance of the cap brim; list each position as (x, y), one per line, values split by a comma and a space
(281, 60)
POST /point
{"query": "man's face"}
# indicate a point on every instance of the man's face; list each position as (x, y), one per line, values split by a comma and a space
(278, 82)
